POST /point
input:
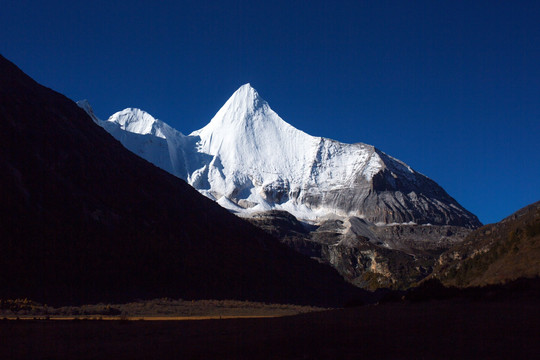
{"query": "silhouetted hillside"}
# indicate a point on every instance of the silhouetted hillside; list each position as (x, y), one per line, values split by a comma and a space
(495, 253)
(85, 220)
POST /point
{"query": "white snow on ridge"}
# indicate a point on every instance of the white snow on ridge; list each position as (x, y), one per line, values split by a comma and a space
(248, 159)
(139, 122)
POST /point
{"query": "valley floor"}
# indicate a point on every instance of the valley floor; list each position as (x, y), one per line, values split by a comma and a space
(449, 329)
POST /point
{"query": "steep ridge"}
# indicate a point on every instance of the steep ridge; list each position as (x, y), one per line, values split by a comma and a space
(495, 253)
(250, 160)
(85, 220)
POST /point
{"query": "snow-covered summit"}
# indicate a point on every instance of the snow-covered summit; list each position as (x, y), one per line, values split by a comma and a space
(254, 145)
(239, 109)
(148, 137)
(249, 160)
(137, 121)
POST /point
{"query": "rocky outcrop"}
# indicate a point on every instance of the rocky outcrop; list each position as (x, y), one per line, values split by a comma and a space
(366, 255)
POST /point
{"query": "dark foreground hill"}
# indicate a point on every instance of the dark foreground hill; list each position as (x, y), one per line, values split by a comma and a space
(83, 220)
(495, 253)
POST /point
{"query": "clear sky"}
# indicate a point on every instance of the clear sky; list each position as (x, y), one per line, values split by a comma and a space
(450, 87)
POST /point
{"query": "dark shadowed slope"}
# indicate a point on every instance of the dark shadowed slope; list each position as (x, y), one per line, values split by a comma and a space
(83, 219)
(495, 253)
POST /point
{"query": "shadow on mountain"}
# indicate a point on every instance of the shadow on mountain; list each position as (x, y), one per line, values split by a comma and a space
(84, 220)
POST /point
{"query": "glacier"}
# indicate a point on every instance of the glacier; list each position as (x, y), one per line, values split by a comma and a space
(249, 160)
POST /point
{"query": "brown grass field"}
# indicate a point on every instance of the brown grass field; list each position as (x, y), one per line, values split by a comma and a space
(157, 309)
(449, 329)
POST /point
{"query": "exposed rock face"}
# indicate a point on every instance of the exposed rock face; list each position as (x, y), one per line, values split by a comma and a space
(249, 160)
(395, 194)
(366, 255)
(495, 253)
(421, 239)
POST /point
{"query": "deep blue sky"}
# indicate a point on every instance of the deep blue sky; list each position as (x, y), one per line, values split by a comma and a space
(450, 87)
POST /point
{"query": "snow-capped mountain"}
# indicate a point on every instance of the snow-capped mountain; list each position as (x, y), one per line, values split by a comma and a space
(249, 160)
